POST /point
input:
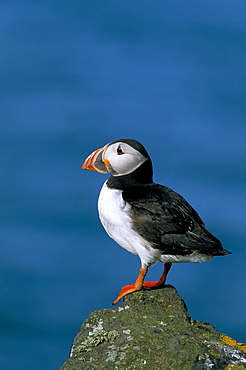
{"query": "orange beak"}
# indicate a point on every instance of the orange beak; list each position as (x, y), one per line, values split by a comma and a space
(95, 161)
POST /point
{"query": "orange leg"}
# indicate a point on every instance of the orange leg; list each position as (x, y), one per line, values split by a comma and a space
(133, 287)
(139, 283)
(161, 281)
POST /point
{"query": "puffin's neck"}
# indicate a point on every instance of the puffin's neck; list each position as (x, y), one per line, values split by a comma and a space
(142, 175)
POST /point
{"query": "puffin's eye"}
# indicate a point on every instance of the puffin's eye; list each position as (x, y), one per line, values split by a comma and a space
(119, 150)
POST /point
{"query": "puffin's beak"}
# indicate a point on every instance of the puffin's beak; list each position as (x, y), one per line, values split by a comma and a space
(95, 161)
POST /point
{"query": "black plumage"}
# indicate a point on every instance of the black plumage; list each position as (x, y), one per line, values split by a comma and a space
(168, 222)
(162, 216)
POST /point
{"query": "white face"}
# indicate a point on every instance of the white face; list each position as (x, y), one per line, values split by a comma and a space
(123, 158)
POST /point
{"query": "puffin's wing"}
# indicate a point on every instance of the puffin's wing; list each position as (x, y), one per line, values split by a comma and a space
(167, 221)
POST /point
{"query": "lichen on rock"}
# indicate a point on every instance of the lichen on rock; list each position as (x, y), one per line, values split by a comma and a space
(151, 330)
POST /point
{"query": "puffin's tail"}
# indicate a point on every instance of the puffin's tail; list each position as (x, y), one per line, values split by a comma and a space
(220, 251)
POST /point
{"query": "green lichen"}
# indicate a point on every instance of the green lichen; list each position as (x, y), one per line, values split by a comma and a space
(96, 338)
(235, 367)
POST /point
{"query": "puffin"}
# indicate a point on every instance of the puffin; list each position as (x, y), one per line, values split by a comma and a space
(147, 219)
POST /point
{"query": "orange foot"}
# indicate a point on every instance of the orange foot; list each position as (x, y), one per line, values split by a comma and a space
(124, 291)
(153, 284)
(161, 281)
(139, 283)
(132, 287)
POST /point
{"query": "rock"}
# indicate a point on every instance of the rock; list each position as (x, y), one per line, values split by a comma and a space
(151, 330)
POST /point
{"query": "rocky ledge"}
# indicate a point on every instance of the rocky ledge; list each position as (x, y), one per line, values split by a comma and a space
(151, 330)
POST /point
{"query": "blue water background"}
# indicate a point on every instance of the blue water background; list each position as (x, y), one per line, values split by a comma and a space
(76, 75)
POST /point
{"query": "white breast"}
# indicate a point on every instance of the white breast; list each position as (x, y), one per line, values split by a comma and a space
(115, 217)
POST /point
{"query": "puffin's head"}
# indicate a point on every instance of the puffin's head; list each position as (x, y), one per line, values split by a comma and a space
(120, 157)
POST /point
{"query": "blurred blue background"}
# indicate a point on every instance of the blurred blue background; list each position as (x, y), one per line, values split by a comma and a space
(76, 75)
